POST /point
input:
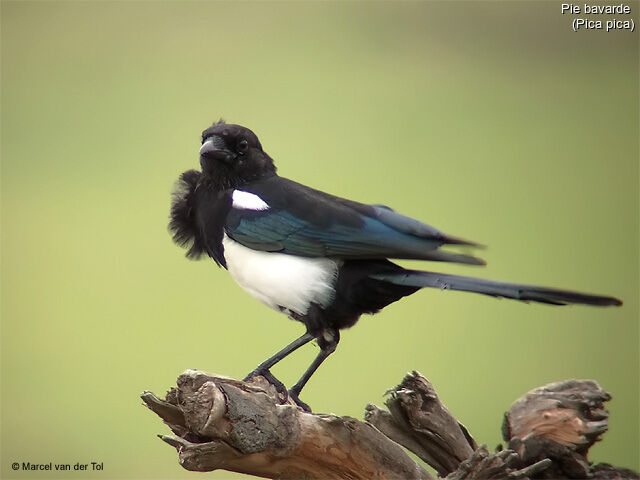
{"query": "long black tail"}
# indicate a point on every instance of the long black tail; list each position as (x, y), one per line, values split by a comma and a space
(525, 293)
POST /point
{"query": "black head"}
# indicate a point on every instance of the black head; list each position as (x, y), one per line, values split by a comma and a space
(231, 155)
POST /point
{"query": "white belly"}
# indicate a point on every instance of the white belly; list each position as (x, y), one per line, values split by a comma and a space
(279, 280)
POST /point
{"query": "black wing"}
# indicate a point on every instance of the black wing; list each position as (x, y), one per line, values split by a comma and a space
(302, 221)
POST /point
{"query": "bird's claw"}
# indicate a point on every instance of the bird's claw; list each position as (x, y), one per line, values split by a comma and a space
(250, 375)
(294, 396)
(279, 386)
(269, 377)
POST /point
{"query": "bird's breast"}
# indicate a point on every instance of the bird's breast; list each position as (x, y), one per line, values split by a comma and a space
(282, 281)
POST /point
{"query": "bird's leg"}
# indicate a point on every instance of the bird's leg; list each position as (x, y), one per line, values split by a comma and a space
(263, 368)
(328, 341)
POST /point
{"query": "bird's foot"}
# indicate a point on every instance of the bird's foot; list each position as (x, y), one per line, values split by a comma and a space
(294, 396)
(251, 374)
(269, 377)
(279, 386)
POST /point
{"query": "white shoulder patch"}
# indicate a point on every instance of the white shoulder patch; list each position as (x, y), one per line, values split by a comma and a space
(248, 201)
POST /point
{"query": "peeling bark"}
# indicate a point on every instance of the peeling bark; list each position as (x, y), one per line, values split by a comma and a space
(251, 428)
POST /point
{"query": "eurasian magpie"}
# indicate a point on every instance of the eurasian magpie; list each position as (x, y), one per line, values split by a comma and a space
(320, 259)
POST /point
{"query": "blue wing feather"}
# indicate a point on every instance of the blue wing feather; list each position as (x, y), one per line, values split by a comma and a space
(306, 222)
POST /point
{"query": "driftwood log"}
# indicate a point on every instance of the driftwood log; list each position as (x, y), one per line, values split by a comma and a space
(249, 427)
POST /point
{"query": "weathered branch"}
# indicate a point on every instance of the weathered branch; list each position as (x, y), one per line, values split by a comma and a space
(561, 421)
(244, 427)
(249, 427)
(418, 421)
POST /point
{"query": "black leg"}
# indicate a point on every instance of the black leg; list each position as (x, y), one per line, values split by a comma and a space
(328, 342)
(271, 361)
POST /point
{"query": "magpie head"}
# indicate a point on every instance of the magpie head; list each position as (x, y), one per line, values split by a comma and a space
(231, 155)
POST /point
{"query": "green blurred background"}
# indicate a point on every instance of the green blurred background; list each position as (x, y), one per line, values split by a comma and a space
(490, 120)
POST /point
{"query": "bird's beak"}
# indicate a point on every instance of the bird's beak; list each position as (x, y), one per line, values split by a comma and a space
(215, 148)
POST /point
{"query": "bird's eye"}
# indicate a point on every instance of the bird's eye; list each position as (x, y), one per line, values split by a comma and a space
(243, 145)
